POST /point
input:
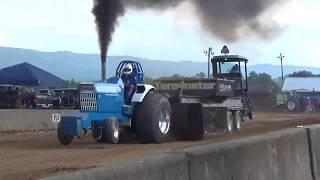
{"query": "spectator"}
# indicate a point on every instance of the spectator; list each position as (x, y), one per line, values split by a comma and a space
(32, 98)
(56, 100)
(10, 91)
(24, 97)
(16, 92)
(27, 97)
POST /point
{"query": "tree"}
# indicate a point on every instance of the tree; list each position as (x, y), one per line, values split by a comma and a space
(278, 81)
(261, 78)
(175, 76)
(73, 84)
(148, 80)
(252, 76)
(200, 75)
(302, 74)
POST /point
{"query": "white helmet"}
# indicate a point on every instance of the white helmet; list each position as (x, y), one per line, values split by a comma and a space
(127, 69)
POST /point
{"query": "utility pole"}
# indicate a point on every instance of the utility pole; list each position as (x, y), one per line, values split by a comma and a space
(281, 59)
(209, 53)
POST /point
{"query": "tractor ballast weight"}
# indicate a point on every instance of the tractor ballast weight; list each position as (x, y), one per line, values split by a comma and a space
(202, 105)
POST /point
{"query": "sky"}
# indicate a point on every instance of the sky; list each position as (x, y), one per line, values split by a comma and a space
(59, 25)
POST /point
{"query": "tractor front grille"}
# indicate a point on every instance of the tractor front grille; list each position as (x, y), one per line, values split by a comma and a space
(88, 102)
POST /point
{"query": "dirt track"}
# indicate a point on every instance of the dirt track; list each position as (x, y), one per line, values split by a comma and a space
(31, 155)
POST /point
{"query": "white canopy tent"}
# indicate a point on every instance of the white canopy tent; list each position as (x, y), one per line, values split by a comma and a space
(301, 84)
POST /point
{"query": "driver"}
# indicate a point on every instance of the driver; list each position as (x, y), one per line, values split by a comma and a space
(235, 69)
(129, 82)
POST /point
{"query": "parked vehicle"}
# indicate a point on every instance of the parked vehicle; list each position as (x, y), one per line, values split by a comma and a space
(9, 96)
(69, 97)
(44, 98)
(299, 102)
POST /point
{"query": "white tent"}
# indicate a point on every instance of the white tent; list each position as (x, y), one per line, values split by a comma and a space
(301, 84)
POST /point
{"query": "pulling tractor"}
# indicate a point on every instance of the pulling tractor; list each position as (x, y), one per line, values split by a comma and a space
(187, 108)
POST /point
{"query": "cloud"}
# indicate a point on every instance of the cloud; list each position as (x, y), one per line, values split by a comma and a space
(299, 13)
(66, 17)
(3, 39)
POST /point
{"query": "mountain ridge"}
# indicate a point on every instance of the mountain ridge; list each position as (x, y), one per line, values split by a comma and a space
(86, 67)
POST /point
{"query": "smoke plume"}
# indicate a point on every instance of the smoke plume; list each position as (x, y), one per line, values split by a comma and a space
(229, 20)
(106, 13)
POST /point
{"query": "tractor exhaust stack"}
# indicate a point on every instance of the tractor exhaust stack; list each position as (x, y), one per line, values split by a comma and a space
(103, 67)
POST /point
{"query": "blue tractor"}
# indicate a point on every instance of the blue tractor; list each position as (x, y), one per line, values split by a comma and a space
(106, 111)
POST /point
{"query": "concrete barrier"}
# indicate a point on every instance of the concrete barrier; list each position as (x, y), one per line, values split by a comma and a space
(314, 144)
(282, 155)
(161, 167)
(28, 119)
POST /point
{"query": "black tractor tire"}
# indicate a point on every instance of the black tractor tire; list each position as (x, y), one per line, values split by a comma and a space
(153, 119)
(229, 122)
(237, 119)
(63, 138)
(293, 105)
(112, 131)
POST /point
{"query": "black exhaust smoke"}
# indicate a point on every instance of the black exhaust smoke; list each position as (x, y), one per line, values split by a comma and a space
(229, 20)
(106, 13)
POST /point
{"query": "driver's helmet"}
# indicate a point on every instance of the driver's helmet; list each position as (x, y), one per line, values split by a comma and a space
(127, 70)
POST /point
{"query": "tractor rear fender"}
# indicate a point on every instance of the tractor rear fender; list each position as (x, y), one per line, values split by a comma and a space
(142, 91)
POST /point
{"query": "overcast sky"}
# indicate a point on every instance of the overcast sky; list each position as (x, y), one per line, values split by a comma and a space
(60, 25)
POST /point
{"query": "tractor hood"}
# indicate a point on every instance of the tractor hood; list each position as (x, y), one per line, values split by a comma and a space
(102, 97)
(112, 86)
(107, 88)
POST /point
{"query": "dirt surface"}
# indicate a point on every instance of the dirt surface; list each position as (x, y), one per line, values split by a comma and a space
(31, 155)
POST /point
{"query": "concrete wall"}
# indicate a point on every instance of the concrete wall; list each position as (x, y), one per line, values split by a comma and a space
(283, 155)
(161, 167)
(28, 119)
(314, 144)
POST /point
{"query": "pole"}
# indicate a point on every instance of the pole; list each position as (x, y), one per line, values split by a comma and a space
(282, 77)
(209, 53)
(281, 59)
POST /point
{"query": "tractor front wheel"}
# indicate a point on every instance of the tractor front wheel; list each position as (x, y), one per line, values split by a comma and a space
(63, 138)
(153, 119)
(112, 131)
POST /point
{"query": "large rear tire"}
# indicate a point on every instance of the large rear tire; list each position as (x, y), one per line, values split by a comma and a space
(153, 119)
(63, 138)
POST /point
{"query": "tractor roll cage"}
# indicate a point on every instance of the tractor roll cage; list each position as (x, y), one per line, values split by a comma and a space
(217, 71)
(137, 69)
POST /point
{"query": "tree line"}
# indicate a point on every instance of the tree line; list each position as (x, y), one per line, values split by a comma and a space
(253, 78)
